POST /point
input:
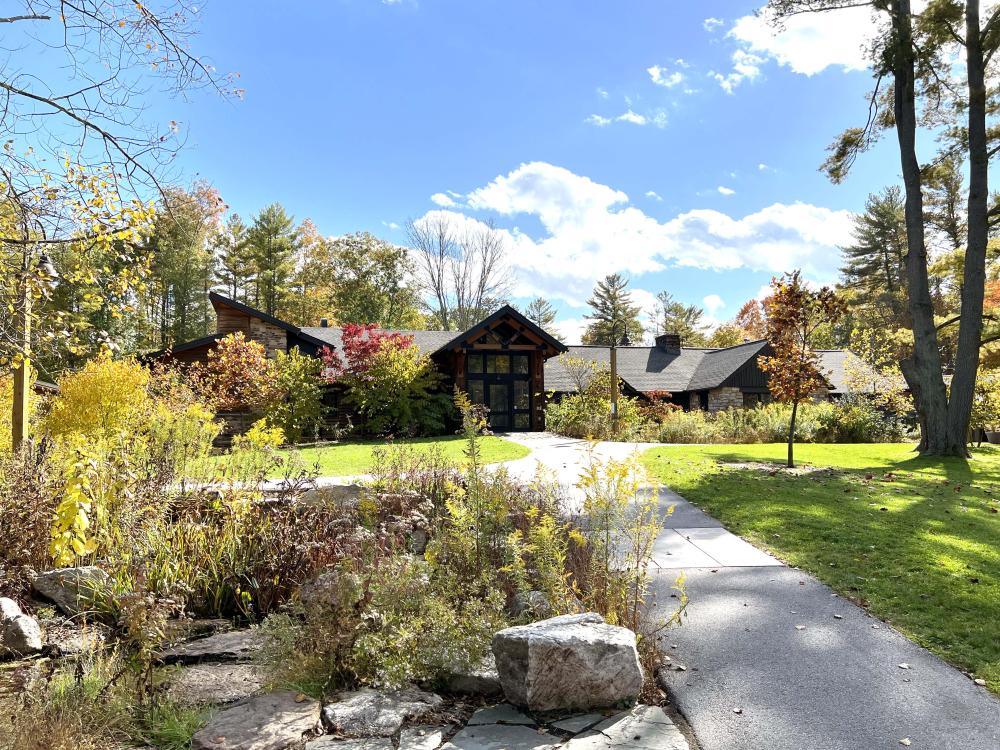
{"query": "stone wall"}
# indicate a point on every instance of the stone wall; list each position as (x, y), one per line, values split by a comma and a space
(268, 335)
(694, 403)
(724, 398)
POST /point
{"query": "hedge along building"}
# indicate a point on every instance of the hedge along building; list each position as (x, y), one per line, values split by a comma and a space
(511, 365)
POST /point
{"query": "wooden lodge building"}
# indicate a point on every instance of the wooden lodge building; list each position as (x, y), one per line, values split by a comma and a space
(511, 365)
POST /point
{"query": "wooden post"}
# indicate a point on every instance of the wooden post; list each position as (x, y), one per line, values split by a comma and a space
(614, 386)
(22, 375)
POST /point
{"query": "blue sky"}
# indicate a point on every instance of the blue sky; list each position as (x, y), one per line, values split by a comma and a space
(675, 142)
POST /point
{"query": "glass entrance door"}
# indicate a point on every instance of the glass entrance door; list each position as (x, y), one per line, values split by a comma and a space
(501, 382)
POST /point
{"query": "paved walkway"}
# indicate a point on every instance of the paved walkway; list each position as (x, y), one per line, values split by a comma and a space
(774, 659)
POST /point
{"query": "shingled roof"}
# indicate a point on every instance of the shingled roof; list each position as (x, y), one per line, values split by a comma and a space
(427, 342)
(650, 368)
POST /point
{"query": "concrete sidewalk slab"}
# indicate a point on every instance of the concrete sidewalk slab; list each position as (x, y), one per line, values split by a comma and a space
(672, 551)
(728, 549)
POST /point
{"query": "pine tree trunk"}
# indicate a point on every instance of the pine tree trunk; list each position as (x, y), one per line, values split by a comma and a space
(922, 369)
(970, 329)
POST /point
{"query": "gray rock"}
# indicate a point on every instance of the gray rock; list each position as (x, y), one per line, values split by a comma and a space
(534, 604)
(418, 541)
(372, 713)
(21, 636)
(331, 590)
(576, 724)
(234, 646)
(214, 683)
(9, 610)
(62, 639)
(338, 495)
(642, 728)
(72, 589)
(501, 737)
(501, 714)
(276, 721)
(481, 680)
(422, 737)
(568, 662)
(183, 629)
(335, 743)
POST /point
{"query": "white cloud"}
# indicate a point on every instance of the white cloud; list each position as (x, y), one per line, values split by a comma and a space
(443, 200)
(663, 77)
(390, 224)
(632, 117)
(725, 190)
(808, 43)
(654, 195)
(711, 24)
(712, 304)
(746, 67)
(590, 230)
(598, 120)
(762, 167)
(602, 92)
(571, 329)
(764, 292)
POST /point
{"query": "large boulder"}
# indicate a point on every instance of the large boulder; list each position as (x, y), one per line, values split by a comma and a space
(568, 662)
(72, 589)
(9, 610)
(276, 721)
(373, 713)
(20, 637)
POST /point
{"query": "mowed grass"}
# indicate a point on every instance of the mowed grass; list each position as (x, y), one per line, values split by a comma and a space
(915, 540)
(347, 458)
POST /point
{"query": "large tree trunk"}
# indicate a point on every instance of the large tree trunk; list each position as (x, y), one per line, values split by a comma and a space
(922, 369)
(970, 328)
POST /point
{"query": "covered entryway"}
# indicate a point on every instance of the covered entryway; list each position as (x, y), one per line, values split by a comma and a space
(500, 363)
(503, 383)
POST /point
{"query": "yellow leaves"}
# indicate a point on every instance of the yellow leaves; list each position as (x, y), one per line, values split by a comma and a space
(71, 520)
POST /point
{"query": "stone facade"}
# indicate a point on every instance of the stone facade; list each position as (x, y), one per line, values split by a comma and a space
(720, 399)
(694, 403)
(268, 335)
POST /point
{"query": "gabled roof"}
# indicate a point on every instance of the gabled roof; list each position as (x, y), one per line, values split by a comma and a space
(183, 347)
(430, 342)
(719, 364)
(649, 368)
(507, 312)
(218, 299)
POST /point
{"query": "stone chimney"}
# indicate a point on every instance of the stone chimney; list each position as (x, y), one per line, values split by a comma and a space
(669, 342)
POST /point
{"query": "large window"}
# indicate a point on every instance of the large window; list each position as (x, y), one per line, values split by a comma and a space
(503, 383)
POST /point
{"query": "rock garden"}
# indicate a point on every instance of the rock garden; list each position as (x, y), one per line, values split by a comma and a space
(439, 605)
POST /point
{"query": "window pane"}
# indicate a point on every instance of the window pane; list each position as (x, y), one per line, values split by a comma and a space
(521, 394)
(522, 421)
(476, 392)
(498, 398)
(475, 363)
(498, 363)
(498, 421)
(521, 364)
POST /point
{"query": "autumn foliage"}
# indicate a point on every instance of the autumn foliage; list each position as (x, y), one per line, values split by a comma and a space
(794, 314)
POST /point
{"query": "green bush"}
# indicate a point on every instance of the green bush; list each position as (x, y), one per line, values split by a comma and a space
(298, 411)
(587, 413)
(853, 420)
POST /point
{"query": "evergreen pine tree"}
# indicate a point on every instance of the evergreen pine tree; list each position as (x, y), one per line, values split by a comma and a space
(673, 316)
(873, 266)
(541, 312)
(613, 313)
(273, 243)
(234, 259)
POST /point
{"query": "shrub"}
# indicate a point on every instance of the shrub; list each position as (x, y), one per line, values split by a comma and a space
(298, 410)
(852, 420)
(106, 398)
(394, 387)
(587, 413)
(236, 376)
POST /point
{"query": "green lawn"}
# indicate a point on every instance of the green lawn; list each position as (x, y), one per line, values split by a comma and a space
(916, 540)
(342, 459)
